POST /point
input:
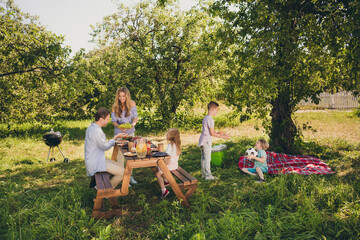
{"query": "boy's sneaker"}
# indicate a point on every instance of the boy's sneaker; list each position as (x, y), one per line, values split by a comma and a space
(211, 178)
(260, 181)
(166, 183)
(164, 194)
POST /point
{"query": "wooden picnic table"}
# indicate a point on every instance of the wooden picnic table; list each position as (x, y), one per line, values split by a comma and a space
(152, 162)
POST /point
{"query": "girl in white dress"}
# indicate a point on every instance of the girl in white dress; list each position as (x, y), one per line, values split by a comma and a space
(174, 150)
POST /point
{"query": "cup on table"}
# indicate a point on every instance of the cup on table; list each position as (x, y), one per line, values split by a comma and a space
(161, 147)
(130, 145)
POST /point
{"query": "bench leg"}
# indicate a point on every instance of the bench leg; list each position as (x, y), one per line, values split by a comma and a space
(190, 192)
(98, 204)
(173, 183)
(114, 203)
(99, 212)
(115, 208)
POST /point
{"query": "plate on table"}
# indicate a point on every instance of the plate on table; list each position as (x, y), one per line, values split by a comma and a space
(130, 154)
(121, 142)
(160, 154)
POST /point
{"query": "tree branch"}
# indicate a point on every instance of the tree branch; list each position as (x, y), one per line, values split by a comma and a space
(38, 69)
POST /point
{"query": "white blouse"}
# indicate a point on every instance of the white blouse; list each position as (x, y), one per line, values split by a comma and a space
(171, 150)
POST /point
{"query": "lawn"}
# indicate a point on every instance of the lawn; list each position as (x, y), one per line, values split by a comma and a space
(42, 200)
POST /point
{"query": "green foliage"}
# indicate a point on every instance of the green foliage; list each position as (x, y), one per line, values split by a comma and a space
(150, 122)
(158, 53)
(71, 130)
(281, 52)
(31, 64)
(357, 111)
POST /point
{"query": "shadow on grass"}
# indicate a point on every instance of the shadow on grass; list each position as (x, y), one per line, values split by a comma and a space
(66, 186)
(31, 182)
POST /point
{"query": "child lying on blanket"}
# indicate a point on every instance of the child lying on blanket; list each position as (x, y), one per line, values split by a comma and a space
(260, 165)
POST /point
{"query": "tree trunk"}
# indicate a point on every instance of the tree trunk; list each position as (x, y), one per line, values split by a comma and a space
(168, 109)
(283, 129)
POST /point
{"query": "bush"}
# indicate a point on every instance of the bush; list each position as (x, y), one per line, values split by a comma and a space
(357, 112)
(150, 122)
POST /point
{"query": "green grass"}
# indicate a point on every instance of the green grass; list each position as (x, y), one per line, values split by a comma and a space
(40, 200)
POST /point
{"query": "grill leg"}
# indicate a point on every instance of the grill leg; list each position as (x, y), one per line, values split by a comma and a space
(48, 155)
(61, 151)
(52, 155)
(66, 160)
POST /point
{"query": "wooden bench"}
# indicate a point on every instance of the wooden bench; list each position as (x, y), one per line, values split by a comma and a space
(186, 181)
(105, 191)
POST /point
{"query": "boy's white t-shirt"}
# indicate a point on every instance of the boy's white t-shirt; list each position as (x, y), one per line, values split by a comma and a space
(171, 150)
(207, 123)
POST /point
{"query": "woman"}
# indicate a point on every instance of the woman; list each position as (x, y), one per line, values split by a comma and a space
(124, 111)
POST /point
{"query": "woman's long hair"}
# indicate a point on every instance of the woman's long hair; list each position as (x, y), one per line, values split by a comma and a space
(118, 105)
(173, 136)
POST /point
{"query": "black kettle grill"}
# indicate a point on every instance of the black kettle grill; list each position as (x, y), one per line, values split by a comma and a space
(53, 139)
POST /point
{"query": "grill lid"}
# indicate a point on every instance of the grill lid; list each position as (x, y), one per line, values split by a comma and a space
(52, 138)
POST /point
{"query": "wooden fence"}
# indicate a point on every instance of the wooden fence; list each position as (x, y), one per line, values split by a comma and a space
(340, 100)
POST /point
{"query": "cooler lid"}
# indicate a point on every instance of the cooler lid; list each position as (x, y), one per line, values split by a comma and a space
(218, 148)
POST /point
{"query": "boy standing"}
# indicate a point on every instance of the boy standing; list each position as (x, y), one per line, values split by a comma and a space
(205, 140)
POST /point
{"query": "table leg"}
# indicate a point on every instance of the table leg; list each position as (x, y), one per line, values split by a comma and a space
(173, 183)
(126, 180)
(115, 153)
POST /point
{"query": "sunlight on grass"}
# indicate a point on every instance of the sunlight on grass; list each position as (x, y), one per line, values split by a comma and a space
(330, 125)
(43, 200)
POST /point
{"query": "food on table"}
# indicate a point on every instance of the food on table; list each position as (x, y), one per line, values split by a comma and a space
(125, 126)
(129, 154)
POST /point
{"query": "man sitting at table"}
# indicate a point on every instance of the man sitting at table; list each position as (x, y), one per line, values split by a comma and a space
(96, 145)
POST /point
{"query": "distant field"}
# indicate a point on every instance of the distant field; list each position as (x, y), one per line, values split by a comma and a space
(325, 125)
(330, 124)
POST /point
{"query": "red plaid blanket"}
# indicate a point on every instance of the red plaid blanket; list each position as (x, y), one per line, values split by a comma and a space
(280, 163)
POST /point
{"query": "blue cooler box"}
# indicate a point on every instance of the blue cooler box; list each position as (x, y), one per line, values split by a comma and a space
(217, 154)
